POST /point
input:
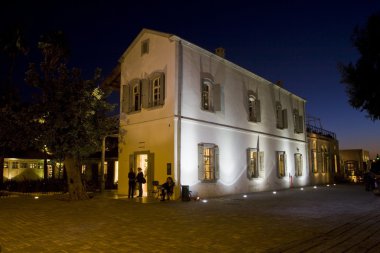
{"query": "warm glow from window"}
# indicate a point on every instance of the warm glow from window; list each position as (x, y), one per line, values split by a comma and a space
(208, 163)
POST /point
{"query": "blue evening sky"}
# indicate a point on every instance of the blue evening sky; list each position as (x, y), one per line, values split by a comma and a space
(298, 42)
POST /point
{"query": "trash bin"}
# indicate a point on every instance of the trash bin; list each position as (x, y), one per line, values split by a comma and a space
(185, 193)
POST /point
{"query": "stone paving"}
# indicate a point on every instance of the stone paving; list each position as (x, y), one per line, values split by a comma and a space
(341, 218)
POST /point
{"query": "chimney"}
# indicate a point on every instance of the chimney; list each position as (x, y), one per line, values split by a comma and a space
(220, 52)
(280, 83)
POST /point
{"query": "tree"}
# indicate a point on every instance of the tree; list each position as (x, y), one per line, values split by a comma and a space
(70, 114)
(12, 45)
(362, 79)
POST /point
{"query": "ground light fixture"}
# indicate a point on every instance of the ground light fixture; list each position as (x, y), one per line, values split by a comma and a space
(328, 185)
(301, 189)
(274, 192)
(36, 197)
(315, 187)
(204, 201)
(244, 196)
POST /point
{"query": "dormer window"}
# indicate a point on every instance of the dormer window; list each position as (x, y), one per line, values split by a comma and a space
(145, 47)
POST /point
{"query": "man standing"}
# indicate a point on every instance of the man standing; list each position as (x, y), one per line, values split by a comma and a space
(141, 180)
(132, 183)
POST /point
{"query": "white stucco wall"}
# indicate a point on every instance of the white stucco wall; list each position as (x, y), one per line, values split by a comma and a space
(231, 130)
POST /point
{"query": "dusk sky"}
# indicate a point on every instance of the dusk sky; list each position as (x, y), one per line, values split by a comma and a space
(297, 42)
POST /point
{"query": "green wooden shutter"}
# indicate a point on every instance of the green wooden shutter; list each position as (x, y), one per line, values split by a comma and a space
(125, 99)
(145, 93)
(258, 111)
(201, 171)
(300, 124)
(216, 92)
(279, 116)
(261, 164)
(249, 170)
(216, 164)
(285, 118)
(162, 88)
(150, 173)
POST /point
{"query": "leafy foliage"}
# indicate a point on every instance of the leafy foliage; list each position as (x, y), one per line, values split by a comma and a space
(362, 79)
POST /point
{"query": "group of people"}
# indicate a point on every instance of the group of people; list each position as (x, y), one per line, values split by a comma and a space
(166, 188)
(133, 179)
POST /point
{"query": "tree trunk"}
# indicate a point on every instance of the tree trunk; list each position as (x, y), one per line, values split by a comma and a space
(76, 189)
(1, 171)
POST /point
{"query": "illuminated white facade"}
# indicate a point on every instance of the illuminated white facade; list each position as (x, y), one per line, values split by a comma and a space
(208, 123)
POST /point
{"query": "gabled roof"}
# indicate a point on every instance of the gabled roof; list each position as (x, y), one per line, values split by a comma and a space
(199, 49)
(143, 31)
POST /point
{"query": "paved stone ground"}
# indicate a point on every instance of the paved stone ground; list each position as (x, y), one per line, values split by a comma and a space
(342, 218)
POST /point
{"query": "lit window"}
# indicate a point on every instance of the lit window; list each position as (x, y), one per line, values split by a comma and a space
(144, 47)
(15, 165)
(23, 165)
(33, 165)
(208, 162)
(255, 163)
(281, 163)
(253, 107)
(314, 161)
(298, 164)
(5, 165)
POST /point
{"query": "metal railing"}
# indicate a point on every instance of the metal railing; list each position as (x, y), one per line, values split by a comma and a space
(320, 131)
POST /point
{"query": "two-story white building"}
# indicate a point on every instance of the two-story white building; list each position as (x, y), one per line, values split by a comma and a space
(210, 124)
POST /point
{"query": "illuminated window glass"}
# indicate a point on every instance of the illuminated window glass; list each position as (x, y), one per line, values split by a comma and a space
(252, 163)
(15, 165)
(208, 162)
(314, 162)
(298, 164)
(281, 164)
(33, 165)
(5, 165)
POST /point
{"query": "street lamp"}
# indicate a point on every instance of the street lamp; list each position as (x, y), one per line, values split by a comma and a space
(103, 159)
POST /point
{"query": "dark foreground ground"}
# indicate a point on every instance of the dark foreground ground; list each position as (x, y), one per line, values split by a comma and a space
(341, 218)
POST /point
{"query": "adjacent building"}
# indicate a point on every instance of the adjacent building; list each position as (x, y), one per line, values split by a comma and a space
(207, 122)
(355, 163)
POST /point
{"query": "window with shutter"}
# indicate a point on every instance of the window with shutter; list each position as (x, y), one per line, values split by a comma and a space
(206, 95)
(281, 164)
(208, 162)
(298, 164)
(252, 163)
(253, 107)
(156, 91)
(261, 165)
(298, 121)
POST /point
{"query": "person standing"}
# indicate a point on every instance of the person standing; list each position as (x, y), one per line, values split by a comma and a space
(132, 183)
(140, 179)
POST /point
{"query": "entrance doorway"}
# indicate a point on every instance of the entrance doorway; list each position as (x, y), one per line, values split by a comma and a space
(143, 162)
